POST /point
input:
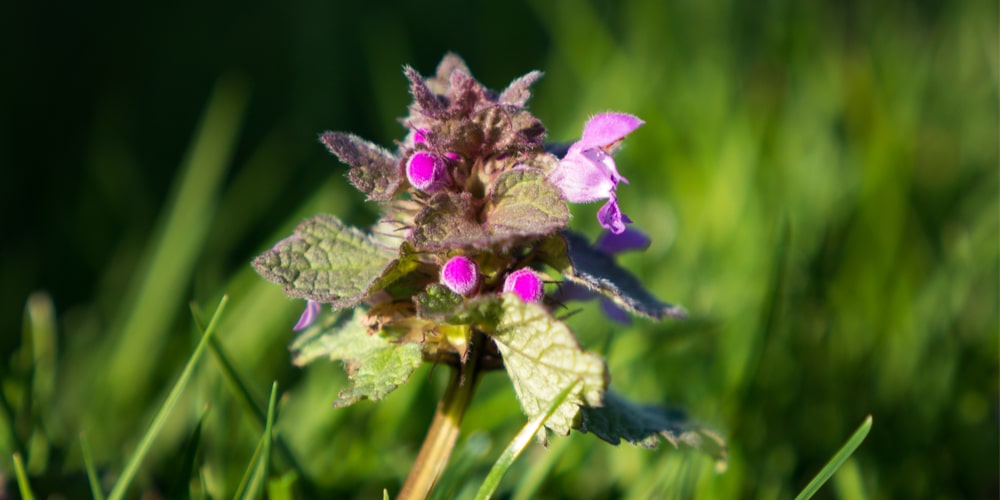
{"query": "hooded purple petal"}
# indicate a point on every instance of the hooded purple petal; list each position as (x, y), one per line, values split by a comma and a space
(606, 129)
(585, 176)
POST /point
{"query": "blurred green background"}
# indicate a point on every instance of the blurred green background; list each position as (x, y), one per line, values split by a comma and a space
(820, 180)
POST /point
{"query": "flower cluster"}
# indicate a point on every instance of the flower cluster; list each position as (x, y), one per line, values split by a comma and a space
(472, 252)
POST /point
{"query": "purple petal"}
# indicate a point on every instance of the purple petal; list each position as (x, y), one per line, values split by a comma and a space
(585, 176)
(611, 217)
(630, 239)
(606, 129)
(308, 316)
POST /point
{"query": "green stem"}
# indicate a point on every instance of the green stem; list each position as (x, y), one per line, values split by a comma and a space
(444, 430)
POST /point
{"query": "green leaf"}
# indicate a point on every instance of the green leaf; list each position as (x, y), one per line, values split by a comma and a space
(437, 301)
(542, 356)
(375, 365)
(619, 419)
(375, 171)
(598, 271)
(521, 204)
(327, 261)
(524, 204)
(838, 460)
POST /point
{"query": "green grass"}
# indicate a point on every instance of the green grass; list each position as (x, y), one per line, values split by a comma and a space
(820, 181)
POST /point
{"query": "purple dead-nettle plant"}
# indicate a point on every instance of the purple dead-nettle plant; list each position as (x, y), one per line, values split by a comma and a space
(474, 227)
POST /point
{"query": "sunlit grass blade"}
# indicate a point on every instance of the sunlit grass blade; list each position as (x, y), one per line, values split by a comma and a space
(22, 478)
(258, 480)
(249, 401)
(88, 463)
(842, 455)
(517, 445)
(161, 416)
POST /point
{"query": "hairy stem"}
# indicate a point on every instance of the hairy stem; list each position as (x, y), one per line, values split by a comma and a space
(444, 430)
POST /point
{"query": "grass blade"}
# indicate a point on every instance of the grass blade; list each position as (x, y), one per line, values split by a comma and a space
(249, 402)
(22, 478)
(842, 455)
(88, 463)
(258, 481)
(161, 416)
(517, 445)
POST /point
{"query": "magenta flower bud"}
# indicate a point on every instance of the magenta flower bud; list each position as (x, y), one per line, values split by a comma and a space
(460, 274)
(426, 172)
(526, 284)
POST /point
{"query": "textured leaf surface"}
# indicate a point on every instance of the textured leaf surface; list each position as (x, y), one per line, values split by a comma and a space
(437, 301)
(448, 222)
(375, 171)
(622, 420)
(523, 203)
(327, 261)
(542, 357)
(375, 365)
(598, 271)
(519, 91)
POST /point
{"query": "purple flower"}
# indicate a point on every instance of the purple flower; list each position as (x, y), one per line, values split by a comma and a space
(612, 244)
(460, 274)
(588, 172)
(308, 316)
(427, 172)
(526, 284)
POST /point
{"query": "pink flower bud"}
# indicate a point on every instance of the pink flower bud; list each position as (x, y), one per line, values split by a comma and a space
(460, 274)
(427, 172)
(526, 284)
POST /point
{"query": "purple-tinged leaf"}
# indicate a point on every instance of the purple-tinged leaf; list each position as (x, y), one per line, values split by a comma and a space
(598, 271)
(523, 204)
(619, 419)
(375, 171)
(427, 102)
(448, 221)
(519, 90)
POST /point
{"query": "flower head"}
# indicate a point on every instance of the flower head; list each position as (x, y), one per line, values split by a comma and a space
(460, 274)
(526, 284)
(427, 172)
(588, 171)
